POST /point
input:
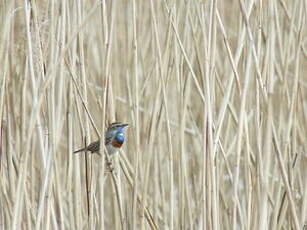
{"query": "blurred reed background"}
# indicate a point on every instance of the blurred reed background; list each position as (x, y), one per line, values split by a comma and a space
(215, 95)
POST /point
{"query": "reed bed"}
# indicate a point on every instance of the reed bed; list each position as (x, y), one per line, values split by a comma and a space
(215, 95)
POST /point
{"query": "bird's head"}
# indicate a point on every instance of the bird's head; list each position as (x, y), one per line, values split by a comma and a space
(116, 129)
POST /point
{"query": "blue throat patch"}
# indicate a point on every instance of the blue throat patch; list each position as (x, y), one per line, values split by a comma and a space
(120, 138)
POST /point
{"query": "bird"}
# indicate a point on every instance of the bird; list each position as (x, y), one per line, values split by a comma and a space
(114, 139)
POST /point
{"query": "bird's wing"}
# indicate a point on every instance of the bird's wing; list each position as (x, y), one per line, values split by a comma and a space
(109, 135)
(108, 140)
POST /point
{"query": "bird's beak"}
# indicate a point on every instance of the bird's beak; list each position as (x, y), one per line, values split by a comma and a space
(125, 125)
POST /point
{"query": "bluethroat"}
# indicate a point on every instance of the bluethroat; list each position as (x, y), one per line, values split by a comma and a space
(114, 139)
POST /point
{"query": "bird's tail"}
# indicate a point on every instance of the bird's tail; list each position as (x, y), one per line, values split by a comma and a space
(79, 150)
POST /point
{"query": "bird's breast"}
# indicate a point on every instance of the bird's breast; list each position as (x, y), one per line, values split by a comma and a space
(116, 143)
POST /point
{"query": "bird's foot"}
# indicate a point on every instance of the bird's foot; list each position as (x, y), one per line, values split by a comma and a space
(109, 167)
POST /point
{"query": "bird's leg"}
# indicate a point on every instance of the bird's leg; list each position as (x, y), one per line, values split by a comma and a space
(109, 166)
